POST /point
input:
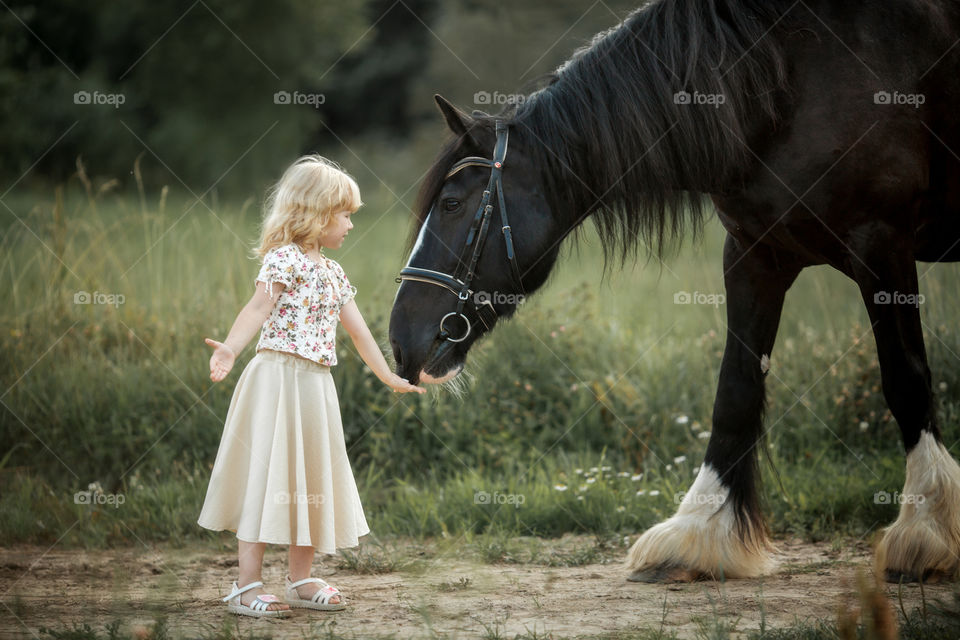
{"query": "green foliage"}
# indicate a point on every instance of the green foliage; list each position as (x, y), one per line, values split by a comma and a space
(586, 413)
(196, 80)
(190, 86)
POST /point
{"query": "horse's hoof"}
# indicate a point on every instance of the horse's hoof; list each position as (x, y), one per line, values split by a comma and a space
(666, 574)
(923, 544)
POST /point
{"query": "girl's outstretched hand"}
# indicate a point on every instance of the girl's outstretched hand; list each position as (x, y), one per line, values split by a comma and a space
(221, 362)
(400, 385)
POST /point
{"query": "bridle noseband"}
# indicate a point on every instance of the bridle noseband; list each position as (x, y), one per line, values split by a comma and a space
(459, 283)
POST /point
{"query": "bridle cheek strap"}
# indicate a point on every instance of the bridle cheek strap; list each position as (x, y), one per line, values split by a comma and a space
(460, 282)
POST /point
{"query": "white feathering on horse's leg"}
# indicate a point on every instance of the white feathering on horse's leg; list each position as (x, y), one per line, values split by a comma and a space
(702, 540)
(924, 541)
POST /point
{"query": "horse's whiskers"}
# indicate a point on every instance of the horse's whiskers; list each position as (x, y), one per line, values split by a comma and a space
(459, 384)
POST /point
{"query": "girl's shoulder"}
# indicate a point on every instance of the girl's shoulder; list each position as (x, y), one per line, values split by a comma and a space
(283, 250)
(339, 276)
(334, 266)
(285, 254)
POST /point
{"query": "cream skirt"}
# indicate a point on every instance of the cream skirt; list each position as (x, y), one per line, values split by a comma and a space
(282, 475)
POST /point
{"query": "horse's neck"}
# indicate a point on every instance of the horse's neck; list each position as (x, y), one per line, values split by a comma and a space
(622, 137)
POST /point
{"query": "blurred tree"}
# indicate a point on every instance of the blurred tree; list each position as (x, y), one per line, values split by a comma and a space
(221, 93)
(498, 49)
(374, 80)
(192, 85)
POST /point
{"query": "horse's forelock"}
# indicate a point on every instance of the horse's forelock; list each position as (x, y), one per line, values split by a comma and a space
(455, 148)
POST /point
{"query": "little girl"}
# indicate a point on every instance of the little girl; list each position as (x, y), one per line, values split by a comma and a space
(282, 475)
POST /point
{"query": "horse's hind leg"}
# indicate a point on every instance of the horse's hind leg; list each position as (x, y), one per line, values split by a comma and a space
(718, 530)
(924, 541)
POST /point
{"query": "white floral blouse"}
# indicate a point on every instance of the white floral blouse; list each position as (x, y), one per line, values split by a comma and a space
(304, 320)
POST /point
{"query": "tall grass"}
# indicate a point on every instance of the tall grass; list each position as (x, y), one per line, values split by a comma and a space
(599, 370)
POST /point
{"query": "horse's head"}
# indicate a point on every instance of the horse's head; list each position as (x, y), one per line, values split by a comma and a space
(486, 239)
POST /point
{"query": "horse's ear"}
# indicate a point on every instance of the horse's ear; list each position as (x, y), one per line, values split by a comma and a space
(457, 120)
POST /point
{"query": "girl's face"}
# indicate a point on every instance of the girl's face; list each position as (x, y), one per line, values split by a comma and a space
(337, 230)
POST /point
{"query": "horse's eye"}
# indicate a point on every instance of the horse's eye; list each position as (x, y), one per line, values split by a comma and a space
(451, 204)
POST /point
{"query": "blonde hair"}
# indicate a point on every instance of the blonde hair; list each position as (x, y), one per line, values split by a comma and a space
(299, 207)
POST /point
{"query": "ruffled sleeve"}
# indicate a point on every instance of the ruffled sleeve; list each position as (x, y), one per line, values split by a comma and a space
(341, 285)
(278, 266)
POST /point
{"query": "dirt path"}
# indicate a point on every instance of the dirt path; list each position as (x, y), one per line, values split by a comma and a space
(446, 594)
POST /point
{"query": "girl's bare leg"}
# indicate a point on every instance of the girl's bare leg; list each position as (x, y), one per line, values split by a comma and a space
(301, 561)
(250, 556)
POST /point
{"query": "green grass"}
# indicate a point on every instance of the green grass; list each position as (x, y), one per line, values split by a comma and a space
(596, 371)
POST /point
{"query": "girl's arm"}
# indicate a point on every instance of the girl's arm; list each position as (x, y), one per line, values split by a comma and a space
(248, 322)
(367, 347)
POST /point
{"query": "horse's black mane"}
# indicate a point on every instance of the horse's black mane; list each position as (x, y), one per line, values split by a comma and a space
(610, 138)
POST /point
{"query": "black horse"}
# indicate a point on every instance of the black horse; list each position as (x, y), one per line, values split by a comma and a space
(823, 132)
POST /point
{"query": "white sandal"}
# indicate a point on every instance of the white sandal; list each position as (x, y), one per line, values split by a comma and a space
(259, 608)
(320, 600)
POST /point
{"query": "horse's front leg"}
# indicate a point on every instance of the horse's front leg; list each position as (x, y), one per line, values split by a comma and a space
(718, 529)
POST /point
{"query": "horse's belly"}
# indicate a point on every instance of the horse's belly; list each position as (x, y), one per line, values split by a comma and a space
(938, 231)
(939, 240)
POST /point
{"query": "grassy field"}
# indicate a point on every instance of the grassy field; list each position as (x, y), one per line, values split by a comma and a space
(593, 404)
(586, 414)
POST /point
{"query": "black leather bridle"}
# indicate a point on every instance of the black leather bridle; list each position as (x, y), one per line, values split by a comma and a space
(459, 283)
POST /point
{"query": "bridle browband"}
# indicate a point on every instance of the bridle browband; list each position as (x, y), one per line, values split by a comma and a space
(459, 283)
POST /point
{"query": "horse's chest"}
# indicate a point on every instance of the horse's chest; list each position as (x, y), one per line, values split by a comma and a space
(750, 222)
